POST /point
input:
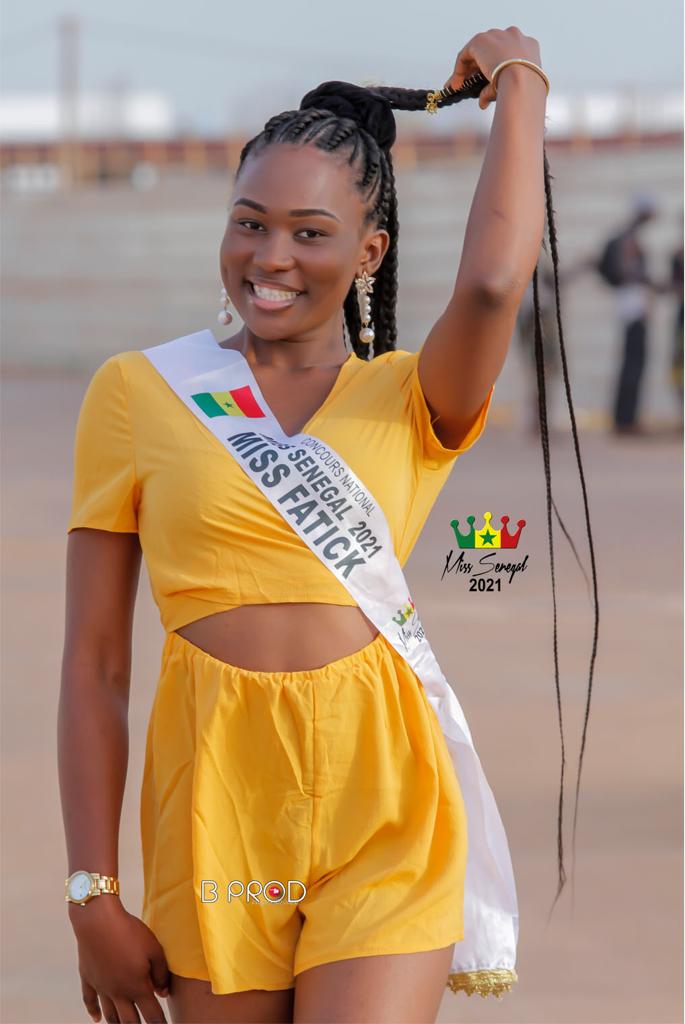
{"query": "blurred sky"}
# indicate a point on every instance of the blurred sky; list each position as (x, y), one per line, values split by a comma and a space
(226, 63)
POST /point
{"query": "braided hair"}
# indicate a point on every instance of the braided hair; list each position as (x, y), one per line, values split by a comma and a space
(358, 123)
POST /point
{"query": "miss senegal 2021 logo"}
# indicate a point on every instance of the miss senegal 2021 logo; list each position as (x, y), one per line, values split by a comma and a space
(489, 563)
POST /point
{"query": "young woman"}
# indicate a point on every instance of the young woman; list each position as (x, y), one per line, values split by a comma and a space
(290, 743)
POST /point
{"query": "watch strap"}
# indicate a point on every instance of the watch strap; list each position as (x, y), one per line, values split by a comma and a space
(106, 883)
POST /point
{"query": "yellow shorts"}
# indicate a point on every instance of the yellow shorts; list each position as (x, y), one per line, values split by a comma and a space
(323, 802)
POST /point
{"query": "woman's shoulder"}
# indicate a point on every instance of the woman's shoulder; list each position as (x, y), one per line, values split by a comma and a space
(119, 364)
(130, 361)
(398, 363)
(398, 358)
(122, 384)
(392, 355)
(386, 378)
(129, 369)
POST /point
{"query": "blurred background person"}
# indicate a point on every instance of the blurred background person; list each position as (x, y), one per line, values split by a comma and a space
(623, 265)
(676, 286)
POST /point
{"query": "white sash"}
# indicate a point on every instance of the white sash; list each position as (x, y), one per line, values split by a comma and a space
(337, 517)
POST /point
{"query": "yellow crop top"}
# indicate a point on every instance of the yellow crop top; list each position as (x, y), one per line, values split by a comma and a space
(143, 462)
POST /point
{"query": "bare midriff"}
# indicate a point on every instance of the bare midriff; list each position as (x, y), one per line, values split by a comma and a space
(281, 637)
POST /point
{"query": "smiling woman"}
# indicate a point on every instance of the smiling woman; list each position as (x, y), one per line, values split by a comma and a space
(275, 291)
(276, 483)
(321, 236)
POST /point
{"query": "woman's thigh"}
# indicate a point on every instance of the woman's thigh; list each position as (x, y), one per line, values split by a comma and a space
(192, 1002)
(396, 988)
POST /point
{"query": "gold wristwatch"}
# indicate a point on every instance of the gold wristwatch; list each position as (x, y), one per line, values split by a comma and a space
(81, 886)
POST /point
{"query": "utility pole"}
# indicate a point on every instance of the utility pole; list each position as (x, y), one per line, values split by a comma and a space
(68, 28)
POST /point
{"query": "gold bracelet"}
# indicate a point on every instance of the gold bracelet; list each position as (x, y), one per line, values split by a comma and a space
(433, 98)
(518, 60)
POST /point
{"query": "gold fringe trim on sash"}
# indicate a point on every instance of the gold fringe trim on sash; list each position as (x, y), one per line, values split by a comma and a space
(485, 983)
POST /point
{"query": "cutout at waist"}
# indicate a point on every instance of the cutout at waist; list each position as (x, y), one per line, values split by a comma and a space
(283, 637)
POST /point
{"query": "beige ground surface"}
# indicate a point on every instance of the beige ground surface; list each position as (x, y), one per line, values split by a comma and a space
(618, 956)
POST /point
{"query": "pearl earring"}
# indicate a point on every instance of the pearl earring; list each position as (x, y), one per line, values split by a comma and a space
(364, 289)
(224, 316)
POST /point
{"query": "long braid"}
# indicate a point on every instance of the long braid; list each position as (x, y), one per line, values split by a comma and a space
(375, 180)
(576, 445)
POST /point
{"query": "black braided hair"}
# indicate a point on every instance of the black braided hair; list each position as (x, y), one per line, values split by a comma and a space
(358, 122)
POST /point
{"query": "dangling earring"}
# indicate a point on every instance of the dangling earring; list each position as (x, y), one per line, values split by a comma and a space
(364, 289)
(224, 316)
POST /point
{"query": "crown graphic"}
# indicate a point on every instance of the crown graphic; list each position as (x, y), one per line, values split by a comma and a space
(487, 537)
(402, 614)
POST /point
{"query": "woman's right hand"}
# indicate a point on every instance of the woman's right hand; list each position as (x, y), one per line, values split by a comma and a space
(120, 962)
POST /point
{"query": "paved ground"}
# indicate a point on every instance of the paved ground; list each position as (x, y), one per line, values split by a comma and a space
(617, 957)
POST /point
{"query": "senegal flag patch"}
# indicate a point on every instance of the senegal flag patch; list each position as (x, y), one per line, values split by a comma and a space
(239, 402)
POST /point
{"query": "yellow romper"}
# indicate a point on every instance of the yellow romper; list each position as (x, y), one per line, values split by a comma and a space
(288, 819)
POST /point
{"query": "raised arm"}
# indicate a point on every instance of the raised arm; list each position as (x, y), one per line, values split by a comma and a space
(465, 350)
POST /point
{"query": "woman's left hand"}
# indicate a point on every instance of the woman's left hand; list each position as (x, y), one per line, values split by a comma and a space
(488, 49)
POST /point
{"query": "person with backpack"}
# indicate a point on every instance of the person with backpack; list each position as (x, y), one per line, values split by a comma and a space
(675, 286)
(623, 266)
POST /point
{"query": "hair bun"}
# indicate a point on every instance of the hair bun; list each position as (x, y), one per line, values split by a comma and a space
(369, 109)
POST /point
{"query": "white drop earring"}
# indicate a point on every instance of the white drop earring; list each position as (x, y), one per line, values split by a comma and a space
(224, 317)
(364, 289)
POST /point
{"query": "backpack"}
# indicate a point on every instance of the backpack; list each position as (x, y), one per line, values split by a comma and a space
(609, 265)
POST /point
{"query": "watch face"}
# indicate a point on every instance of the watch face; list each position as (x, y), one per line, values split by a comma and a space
(79, 886)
